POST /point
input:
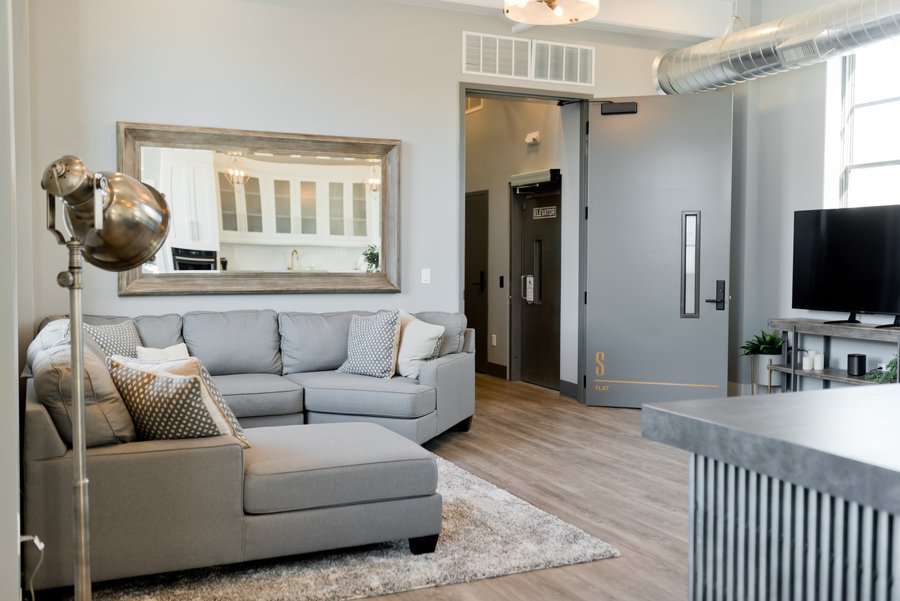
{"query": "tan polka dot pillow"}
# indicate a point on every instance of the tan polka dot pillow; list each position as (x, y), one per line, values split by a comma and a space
(173, 400)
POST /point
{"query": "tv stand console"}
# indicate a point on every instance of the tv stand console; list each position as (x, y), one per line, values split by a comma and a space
(792, 329)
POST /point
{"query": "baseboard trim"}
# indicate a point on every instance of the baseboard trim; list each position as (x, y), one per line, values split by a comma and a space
(496, 370)
(569, 389)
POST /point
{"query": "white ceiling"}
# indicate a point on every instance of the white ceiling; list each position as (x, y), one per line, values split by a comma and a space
(671, 18)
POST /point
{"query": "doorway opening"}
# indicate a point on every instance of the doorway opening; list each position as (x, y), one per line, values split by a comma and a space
(522, 157)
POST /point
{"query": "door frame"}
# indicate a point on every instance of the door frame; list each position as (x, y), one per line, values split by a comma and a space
(488, 366)
(466, 88)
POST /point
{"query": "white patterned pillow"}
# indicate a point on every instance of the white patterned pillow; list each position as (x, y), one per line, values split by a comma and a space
(372, 345)
(173, 400)
(116, 339)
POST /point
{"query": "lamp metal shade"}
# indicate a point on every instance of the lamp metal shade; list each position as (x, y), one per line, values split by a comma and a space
(135, 215)
(551, 12)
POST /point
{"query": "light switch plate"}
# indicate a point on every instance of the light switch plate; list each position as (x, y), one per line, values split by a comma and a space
(493, 340)
(426, 275)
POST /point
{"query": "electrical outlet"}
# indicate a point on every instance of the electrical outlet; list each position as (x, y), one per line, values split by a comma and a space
(426, 275)
(493, 340)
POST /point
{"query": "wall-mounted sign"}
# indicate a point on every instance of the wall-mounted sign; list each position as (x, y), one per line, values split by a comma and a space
(544, 213)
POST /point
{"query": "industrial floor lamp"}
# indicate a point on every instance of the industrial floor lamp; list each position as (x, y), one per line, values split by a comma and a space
(115, 223)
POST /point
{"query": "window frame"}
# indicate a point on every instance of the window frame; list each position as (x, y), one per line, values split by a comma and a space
(849, 107)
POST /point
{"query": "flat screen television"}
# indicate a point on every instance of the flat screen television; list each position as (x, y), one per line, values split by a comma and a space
(847, 260)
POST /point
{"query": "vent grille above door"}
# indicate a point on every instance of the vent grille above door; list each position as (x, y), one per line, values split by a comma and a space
(563, 63)
(520, 58)
(496, 55)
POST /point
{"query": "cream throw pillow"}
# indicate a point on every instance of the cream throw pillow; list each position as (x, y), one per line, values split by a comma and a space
(170, 353)
(419, 342)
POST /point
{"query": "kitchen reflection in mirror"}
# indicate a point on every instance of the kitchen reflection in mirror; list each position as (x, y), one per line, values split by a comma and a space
(238, 212)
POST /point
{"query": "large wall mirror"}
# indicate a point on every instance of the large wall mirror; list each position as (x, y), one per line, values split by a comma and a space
(258, 212)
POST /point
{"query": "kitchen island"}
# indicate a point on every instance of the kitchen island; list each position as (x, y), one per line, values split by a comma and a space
(793, 496)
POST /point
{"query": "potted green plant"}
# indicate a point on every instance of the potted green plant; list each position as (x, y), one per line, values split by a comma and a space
(763, 349)
(371, 257)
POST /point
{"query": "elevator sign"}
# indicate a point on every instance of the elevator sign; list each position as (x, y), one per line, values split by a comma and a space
(544, 213)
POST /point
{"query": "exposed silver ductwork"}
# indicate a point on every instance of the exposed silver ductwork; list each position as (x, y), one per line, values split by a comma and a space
(777, 46)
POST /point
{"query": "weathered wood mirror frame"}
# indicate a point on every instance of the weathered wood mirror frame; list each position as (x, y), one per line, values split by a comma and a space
(131, 137)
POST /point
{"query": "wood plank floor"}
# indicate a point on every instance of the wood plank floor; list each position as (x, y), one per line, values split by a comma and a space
(590, 467)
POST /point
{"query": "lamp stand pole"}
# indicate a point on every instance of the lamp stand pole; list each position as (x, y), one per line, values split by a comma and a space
(72, 279)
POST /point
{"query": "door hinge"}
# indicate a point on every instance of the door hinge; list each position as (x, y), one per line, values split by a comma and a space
(585, 213)
(584, 382)
(585, 297)
(587, 128)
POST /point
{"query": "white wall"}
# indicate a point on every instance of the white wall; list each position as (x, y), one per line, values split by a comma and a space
(780, 168)
(348, 67)
(9, 413)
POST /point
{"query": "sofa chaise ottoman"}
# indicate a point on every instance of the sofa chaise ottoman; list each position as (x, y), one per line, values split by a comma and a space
(162, 506)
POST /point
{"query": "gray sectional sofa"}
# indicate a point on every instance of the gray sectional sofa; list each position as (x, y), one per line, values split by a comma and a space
(332, 462)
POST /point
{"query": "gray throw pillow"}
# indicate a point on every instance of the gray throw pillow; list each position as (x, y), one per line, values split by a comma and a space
(107, 420)
(116, 339)
(372, 345)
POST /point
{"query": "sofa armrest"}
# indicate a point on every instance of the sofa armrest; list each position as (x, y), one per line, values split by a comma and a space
(453, 377)
(41, 438)
(469, 341)
(156, 506)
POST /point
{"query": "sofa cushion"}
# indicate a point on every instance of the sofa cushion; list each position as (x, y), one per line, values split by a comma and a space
(107, 420)
(314, 341)
(234, 342)
(159, 331)
(454, 329)
(259, 395)
(349, 394)
(293, 468)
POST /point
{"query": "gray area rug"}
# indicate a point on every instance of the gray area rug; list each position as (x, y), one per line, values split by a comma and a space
(487, 532)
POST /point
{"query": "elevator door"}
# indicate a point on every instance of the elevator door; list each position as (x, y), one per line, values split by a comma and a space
(537, 282)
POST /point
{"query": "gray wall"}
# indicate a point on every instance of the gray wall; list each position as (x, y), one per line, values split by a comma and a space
(350, 67)
(780, 167)
(496, 150)
(9, 414)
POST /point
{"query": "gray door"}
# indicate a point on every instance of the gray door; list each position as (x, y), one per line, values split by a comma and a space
(658, 247)
(535, 253)
(475, 295)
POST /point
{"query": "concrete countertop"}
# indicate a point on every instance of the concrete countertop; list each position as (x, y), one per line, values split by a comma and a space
(845, 442)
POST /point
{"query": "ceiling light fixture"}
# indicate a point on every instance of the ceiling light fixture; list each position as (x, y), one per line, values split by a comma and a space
(550, 12)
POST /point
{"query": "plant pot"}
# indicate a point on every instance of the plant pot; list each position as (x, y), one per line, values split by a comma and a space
(760, 365)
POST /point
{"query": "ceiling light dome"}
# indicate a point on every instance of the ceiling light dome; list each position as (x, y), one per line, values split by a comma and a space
(551, 12)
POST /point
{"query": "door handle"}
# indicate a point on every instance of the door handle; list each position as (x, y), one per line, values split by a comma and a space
(481, 281)
(719, 301)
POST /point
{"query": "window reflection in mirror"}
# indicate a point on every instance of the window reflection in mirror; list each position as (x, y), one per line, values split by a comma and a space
(258, 212)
